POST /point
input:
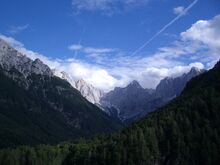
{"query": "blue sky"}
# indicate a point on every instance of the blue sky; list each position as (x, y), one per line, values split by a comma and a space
(105, 34)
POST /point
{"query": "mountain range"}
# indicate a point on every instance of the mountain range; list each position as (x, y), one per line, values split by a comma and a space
(133, 101)
(38, 107)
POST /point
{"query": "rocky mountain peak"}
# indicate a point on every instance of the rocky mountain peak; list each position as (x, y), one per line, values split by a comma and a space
(38, 61)
(134, 84)
(194, 71)
(170, 87)
(11, 58)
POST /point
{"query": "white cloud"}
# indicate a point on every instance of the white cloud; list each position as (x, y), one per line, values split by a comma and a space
(91, 51)
(75, 47)
(97, 76)
(108, 7)
(205, 32)
(17, 29)
(179, 10)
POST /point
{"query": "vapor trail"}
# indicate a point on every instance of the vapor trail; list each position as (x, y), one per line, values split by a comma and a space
(80, 40)
(165, 27)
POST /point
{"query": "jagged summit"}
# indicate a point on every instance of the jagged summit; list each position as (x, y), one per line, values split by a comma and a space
(134, 84)
(11, 58)
(195, 71)
(171, 87)
(37, 61)
(128, 101)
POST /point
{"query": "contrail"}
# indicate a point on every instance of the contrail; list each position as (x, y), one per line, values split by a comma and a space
(165, 27)
(80, 40)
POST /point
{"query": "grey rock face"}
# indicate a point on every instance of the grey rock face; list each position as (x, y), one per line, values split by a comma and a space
(169, 87)
(129, 101)
(133, 101)
(11, 58)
